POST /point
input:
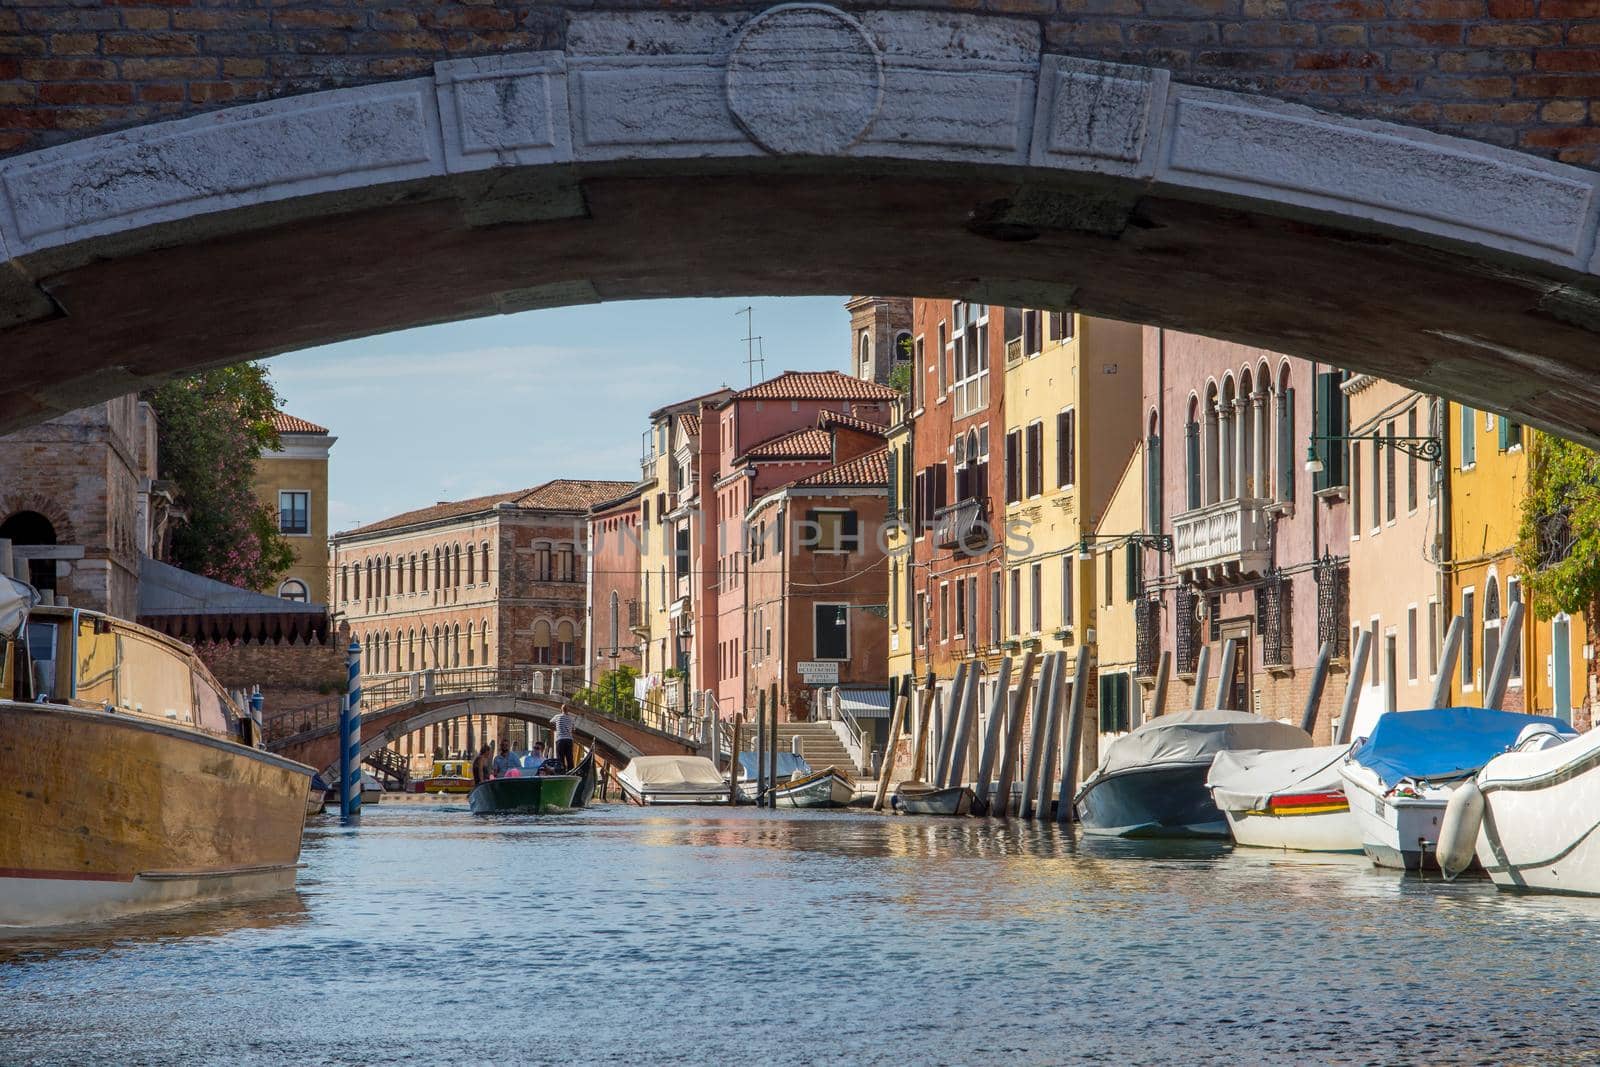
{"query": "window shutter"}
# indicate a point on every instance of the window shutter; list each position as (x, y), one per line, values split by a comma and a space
(849, 531)
(939, 486)
(1013, 468)
(1152, 481)
(1132, 573)
(1191, 443)
(1320, 429)
(894, 488)
(1286, 450)
(1503, 425)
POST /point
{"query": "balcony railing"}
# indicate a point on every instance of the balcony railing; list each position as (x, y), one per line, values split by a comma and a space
(1229, 536)
(962, 525)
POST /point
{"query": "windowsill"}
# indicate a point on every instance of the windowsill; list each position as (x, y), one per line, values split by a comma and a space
(1332, 492)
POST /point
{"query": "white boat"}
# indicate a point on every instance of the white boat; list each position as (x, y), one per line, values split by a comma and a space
(1532, 815)
(1288, 798)
(673, 780)
(789, 766)
(830, 787)
(1399, 780)
(1152, 782)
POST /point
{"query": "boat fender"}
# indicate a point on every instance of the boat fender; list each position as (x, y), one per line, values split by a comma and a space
(1458, 830)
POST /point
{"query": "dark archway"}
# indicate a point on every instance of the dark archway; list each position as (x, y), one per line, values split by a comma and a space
(27, 529)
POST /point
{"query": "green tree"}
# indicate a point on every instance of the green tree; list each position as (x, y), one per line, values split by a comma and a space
(1558, 544)
(900, 378)
(612, 692)
(211, 429)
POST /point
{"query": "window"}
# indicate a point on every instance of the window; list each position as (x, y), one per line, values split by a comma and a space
(1066, 590)
(1390, 459)
(865, 354)
(1016, 602)
(1032, 332)
(1433, 639)
(944, 611)
(1375, 652)
(972, 609)
(1153, 485)
(294, 512)
(1514, 596)
(294, 589)
(1561, 667)
(1510, 434)
(680, 555)
(902, 347)
(919, 620)
(994, 608)
(942, 359)
(918, 363)
(836, 530)
(1285, 443)
(1377, 480)
(1116, 713)
(1411, 463)
(1469, 439)
(1036, 597)
(1013, 466)
(1060, 326)
(1333, 420)
(832, 629)
(1103, 561)
(969, 356)
(1066, 447)
(1355, 488)
(961, 609)
(1411, 642)
(566, 644)
(1133, 576)
(1033, 464)
(1469, 672)
(1191, 454)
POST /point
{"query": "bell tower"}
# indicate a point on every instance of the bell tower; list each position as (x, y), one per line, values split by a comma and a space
(880, 336)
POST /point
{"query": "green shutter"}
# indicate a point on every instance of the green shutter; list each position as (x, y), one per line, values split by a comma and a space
(1132, 575)
(1191, 447)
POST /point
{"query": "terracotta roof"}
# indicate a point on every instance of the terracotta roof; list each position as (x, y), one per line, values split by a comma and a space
(689, 423)
(816, 385)
(283, 422)
(803, 443)
(870, 469)
(559, 494)
(826, 419)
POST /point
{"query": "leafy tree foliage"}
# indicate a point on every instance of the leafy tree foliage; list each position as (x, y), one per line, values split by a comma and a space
(1558, 544)
(212, 429)
(612, 692)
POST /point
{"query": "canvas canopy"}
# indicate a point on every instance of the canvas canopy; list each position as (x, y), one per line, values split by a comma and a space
(788, 765)
(1246, 780)
(1195, 737)
(15, 600)
(662, 773)
(1441, 743)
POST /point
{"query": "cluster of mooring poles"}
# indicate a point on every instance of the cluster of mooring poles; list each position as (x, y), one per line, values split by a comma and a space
(766, 750)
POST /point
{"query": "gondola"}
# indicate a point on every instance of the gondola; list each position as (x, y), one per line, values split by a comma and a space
(585, 773)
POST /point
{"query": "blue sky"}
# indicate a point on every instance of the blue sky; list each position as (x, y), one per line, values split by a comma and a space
(470, 408)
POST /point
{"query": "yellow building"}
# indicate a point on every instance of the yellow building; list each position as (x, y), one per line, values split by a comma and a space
(1072, 397)
(902, 584)
(1488, 457)
(293, 482)
(1117, 587)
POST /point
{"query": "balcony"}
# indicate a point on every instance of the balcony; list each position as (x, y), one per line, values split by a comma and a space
(962, 525)
(1221, 541)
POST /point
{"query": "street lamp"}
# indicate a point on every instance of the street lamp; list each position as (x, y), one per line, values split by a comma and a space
(1159, 542)
(1427, 449)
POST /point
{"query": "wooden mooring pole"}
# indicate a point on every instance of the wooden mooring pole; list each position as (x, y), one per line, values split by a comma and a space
(1052, 734)
(1014, 704)
(1041, 698)
(733, 761)
(1230, 653)
(1447, 662)
(1202, 670)
(992, 734)
(919, 746)
(1158, 702)
(1510, 642)
(1072, 736)
(1319, 679)
(1352, 688)
(947, 724)
(965, 719)
(896, 722)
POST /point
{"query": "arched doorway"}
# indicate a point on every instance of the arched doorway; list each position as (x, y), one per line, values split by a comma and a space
(29, 529)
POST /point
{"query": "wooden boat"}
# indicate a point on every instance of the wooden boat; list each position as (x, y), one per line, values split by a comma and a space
(827, 788)
(789, 766)
(146, 785)
(449, 776)
(585, 773)
(537, 793)
(1287, 798)
(672, 780)
(919, 798)
(1152, 782)
(316, 801)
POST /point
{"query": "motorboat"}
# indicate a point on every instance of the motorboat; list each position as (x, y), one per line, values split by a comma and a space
(920, 798)
(146, 786)
(449, 776)
(1399, 779)
(1290, 798)
(672, 780)
(1152, 782)
(830, 787)
(1531, 816)
(518, 792)
(789, 766)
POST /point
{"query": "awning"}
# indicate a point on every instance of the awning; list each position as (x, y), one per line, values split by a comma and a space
(866, 703)
(194, 608)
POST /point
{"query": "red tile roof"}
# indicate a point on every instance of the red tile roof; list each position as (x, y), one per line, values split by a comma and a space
(797, 444)
(283, 422)
(870, 469)
(825, 419)
(689, 423)
(559, 494)
(816, 385)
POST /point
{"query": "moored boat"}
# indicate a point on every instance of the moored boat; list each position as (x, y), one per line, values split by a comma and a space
(672, 780)
(1531, 817)
(789, 766)
(1152, 782)
(146, 788)
(449, 776)
(1399, 780)
(920, 798)
(1286, 798)
(316, 796)
(537, 793)
(587, 778)
(827, 788)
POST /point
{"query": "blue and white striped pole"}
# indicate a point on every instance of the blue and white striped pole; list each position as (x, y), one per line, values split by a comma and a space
(350, 737)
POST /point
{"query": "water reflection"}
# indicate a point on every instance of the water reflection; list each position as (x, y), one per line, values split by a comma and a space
(681, 936)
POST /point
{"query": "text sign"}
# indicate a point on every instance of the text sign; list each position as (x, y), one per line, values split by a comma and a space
(818, 671)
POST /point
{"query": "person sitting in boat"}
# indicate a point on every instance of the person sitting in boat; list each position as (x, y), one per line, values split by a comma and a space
(482, 766)
(504, 761)
(535, 758)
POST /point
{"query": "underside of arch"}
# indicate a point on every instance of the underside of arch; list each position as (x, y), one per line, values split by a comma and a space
(920, 154)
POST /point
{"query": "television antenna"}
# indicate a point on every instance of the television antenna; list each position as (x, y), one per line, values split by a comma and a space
(751, 340)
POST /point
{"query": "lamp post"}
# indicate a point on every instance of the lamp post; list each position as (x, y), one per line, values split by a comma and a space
(1427, 449)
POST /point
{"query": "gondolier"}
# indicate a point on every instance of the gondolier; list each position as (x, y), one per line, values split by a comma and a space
(563, 725)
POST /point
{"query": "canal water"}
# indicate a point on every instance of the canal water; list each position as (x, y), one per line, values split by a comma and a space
(660, 936)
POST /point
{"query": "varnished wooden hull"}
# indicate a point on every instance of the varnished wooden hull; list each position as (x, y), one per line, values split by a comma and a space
(105, 814)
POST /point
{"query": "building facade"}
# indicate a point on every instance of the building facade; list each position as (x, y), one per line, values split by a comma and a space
(880, 336)
(1117, 589)
(292, 482)
(1260, 544)
(613, 579)
(495, 582)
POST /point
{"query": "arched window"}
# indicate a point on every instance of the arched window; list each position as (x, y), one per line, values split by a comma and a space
(472, 565)
(1228, 453)
(1154, 486)
(1211, 444)
(902, 346)
(344, 583)
(1245, 416)
(541, 642)
(294, 589)
(438, 648)
(411, 649)
(616, 604)
(483, 635)
(1284, 446)
(1491, 625)
(455, 571)
(483, 555)
(566, 646)
(472, 645)
(1193, 458)
(388, 576)
(455, 645)
(864, 349)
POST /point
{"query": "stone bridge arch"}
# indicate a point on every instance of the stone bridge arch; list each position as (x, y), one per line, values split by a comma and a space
(618, 741)
(786, 150)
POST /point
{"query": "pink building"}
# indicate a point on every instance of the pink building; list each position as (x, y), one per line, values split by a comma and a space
(1260, 545)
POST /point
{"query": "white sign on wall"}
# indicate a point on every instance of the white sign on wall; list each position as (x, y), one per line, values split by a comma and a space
(818, 671)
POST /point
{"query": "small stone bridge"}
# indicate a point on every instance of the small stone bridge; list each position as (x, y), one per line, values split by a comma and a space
(397, 705)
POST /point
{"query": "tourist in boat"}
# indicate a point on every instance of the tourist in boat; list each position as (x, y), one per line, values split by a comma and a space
(535, 758)
(563, 726)
(482, 766)
(505, 761)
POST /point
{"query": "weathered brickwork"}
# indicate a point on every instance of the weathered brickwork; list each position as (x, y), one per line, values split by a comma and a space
(292, 676)
(1522, 73)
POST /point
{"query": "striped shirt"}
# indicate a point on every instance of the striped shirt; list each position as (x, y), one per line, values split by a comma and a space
(563, 725)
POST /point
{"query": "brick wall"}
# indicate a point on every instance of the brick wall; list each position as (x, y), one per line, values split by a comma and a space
(291, 675)
(1522, 73)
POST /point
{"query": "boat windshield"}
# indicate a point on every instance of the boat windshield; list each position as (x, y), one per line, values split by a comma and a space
(43, 638)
